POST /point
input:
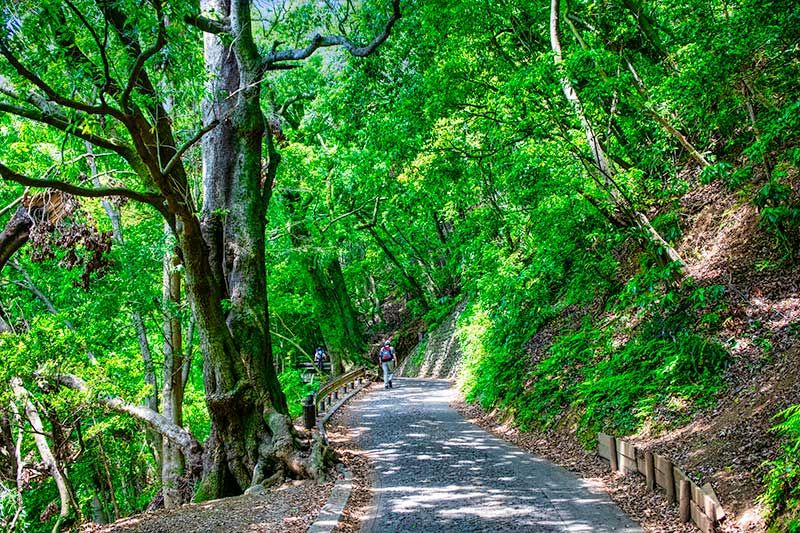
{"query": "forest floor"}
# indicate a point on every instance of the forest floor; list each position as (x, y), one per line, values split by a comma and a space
(289, 508)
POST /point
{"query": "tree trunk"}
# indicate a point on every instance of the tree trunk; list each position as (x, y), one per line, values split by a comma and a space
(45, 452)
(109, 483)
(15, 234)
(413, 284)
(19, 465)
(335, 315)
(338, 320)
(372, 297)
(250, 438)
(666, 252)
(663, 122)
(110, 209)
(173, 462)
(153, 438)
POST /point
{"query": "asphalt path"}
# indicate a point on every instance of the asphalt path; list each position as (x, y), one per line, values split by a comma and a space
(434, 471)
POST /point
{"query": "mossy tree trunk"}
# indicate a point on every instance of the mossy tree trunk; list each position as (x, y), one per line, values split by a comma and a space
(336, 316)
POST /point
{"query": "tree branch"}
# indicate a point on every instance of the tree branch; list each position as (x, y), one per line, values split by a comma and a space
(293, 100)
(108, 83)
(51, 93)
(321, 41)
(174, 433)
(191, 142)
(161, 41)
(208, 25)
(153, 199)
(47, 114)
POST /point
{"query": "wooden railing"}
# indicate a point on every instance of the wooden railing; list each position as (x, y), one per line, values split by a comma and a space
(329, 393)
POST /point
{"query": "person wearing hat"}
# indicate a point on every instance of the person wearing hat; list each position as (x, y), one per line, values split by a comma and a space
(388, 361)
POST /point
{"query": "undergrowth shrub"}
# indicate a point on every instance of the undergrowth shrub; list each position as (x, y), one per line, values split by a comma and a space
(611, 378)
(296, 389)
(781, 496)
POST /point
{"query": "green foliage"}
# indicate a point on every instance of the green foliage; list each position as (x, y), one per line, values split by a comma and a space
(782, 492)
(296, 390)
(446, 165)
(780, 213)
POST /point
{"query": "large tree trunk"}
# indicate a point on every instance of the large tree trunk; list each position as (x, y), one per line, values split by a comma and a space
(250, 438)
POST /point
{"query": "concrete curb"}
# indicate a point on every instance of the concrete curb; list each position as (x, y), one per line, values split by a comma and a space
(332, 511)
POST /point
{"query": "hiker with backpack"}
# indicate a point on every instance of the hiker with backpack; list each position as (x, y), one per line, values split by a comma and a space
(319, 358)
(388, 361)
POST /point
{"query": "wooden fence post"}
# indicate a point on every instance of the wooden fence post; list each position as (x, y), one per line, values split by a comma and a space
(613, 459)
(685, 501)
(649, 470)
(669, 474)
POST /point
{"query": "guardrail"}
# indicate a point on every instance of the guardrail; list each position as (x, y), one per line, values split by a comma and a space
(329, 393)
(326, 400)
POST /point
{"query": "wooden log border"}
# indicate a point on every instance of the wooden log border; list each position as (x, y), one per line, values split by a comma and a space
(704, 508)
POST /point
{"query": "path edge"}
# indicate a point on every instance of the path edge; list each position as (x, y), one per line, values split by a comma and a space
(331, 513)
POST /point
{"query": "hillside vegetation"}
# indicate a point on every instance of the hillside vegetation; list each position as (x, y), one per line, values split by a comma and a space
(606, 192)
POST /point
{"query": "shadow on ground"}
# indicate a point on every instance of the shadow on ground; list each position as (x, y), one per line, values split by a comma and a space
(437, 472)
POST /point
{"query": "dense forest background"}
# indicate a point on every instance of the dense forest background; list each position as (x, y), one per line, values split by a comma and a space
(610, 188)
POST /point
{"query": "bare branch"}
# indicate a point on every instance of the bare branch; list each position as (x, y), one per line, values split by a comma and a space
(177, 157)
(153, 199)
(11, 206)
(322, 41)
(159, 423)
(355, 211)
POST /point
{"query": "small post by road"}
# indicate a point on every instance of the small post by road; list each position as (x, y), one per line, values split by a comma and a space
(649, 470)
(309, 412)
(669, 481)
(684, 500)
(613, 453)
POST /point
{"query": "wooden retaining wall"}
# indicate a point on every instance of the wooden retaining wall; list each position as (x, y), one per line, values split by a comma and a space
(695, 503)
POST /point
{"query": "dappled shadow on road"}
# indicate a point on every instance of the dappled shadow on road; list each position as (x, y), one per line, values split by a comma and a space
(437, 471)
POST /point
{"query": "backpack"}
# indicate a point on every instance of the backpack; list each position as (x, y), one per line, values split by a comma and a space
(387, 353)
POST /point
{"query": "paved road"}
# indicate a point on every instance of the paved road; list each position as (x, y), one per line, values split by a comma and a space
(437, 472)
